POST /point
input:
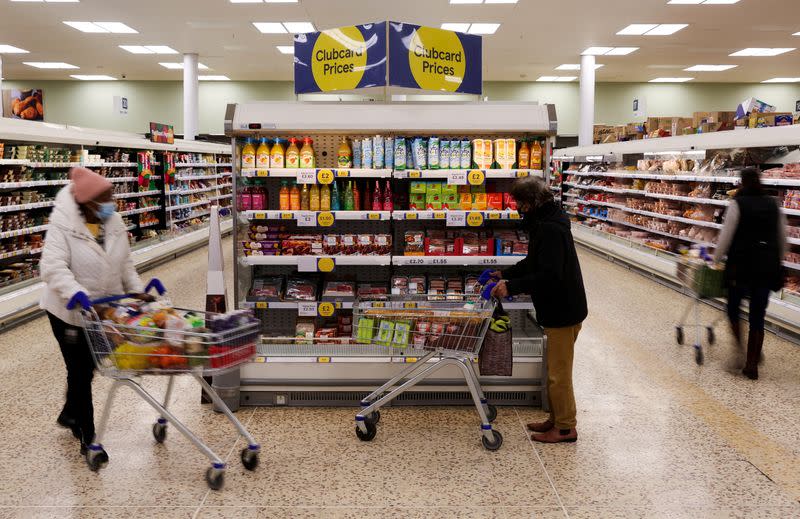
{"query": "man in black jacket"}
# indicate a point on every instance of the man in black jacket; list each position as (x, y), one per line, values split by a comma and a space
(551, 274)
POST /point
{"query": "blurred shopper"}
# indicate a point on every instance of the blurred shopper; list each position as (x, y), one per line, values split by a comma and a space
(754, 239)
(551, 274)
(86, 256)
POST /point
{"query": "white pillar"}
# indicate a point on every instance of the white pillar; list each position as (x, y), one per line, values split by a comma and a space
(191, 100)
(586, 129)
(1, 85)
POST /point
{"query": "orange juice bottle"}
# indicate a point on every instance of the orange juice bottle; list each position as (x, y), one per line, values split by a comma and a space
(313, 198)
(307, 154)
(248, 154)
(524, 156)
(262, 154)
(536, 155)
(292, 154)
(344, 157)
(277, 155)
(294, 198)
(283, 196)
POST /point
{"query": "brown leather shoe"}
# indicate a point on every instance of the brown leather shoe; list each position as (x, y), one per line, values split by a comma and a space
(557, 436)
(541, 427)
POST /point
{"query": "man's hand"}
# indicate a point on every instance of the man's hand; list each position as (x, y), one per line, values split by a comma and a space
(147, 298)
(500, 290)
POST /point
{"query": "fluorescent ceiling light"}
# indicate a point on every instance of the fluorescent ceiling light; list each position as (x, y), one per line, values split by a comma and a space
(621, 51)
(759, 51)
(709, 68)
(783, 80)
(214, 78)
(576, 66)
(597, 51)
(179, 66)
(652, 29)
(557, 79)
(245, 1)
(281, 1)
(270, 27)
(456, 27)
(285, 49)
(49, 64)
(102, 27)
(148, 49)
(637, 29)
(10, 49)
(483, 28)
(299, 27)
(466, 1)
(92, 77)
(501, 1)
(671, 80)
(796, 34)
(667, 29)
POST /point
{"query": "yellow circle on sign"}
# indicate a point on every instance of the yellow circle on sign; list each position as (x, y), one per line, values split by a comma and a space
(476, 177)
(436, 59)
(325, 264)
(325, 219)
(474, 219)
(325, 176)
(339, 59)
(325, 309)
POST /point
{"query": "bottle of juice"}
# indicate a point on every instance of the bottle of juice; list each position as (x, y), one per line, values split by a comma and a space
(344, 157)
(536, 155)
(313, 198)
(258, 197)
(262, 154)
(248, 154)
(245, 199)
(325, 197)
(388, 200)
(305, 198)
(524, 156)
(367, 204)
(348, 197)
(292, 154)
(283, 196)
(356, 197)
(277, 155)
(294, 198)
(336, 204)
(307, 159)
(377, 197)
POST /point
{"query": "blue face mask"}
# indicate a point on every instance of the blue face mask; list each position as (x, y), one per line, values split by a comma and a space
(105, 210)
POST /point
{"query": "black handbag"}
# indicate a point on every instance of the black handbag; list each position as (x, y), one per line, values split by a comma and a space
(496, 357)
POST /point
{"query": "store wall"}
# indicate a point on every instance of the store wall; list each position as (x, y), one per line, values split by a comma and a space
(90, 104)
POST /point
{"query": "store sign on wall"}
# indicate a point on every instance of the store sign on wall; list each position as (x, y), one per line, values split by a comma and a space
(434, 59)
(344, 58)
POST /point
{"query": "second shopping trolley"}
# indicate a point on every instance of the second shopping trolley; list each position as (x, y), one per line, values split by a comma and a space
(702, 281)
(444, 330)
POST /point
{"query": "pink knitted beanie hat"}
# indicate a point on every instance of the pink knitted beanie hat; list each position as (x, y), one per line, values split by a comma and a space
(87, 185)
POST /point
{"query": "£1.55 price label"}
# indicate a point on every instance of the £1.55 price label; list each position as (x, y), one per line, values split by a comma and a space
(476, 177)
(325, 176)
(474, 219)
(325, 219)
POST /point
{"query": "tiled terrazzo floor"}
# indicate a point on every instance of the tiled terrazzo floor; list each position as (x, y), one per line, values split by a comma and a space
(659, 437)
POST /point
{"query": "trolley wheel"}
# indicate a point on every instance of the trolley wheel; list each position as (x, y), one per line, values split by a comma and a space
(215, 478)
(711, 335)
(372, 430)
(679, 334)
(698, 355)
(491, 413)
(249, 458)
(495, 443)
(374, 417)
(96, 459)
(160, 432)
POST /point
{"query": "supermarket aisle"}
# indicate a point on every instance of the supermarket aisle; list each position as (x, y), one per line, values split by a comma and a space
(659, 437)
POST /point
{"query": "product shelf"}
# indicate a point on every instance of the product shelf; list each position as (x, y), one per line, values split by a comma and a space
(486, 215)
(121, 179)
(298, 172)
(517, 304)
(195, 164)
(25, 207)
(153, 192)
(188, 206)
(55, 164)
(354, 260)
(405, 261)
(448, 173)
(140, 210)
(192, 191)
(33, 183)
(220, 197)
(14, 162)
(314, 215)
(655, 176)
(23, 232)
(654, 215)
(200, 177)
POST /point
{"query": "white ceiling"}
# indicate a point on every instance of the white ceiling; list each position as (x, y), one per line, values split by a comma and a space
(534, 38)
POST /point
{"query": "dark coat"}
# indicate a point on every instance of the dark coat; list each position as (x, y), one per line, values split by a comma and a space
(550, 273)
(754, 256)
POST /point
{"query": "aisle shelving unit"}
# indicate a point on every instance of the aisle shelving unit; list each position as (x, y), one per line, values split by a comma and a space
(34, 165)
(201, 180)
(333, 371)
(642, 202)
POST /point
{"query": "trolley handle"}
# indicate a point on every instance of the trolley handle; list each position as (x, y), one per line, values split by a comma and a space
(80, 299)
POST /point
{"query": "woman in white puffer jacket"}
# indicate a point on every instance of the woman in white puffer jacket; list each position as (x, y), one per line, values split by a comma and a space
(86, 256)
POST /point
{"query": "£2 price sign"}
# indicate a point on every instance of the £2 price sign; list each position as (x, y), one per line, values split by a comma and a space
(476, 177)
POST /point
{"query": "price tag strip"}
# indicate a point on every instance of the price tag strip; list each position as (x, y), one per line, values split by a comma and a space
(306, 219)
(306, 176)
(307, 309)
(456, 219)
(457, 177)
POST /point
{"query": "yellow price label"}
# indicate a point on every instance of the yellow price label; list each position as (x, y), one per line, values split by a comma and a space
(324, 360)
(325, 176)
(262, 305)
(262, 173)
(342, 173)
(409, 304)
(378, 304)
(260, 216)
(287, 216)
(411, 360)
(260, 360)
(411, 216)
(374, 216)
(513, 216)
(325, 218)
(522, 174)
(438, 215)
(325, 309)
(476, 177)
(325, 264)
(494, 216)
(415, 174)
(474, 219)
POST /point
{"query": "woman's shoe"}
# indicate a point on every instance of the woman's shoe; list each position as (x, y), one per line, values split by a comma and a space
(70, 423)
(541, 427)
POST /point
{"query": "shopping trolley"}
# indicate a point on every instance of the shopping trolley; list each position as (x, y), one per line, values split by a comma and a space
(125, 352)
(702, 281)
(443, 330)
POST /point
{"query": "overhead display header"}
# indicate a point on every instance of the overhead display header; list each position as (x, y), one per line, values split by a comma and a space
(426, 58)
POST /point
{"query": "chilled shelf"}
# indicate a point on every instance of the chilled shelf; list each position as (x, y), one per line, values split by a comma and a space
(25, 207)
(140, 210)
(33, 183)
(337, 260)
(405, 261)
(451, 174)
(309, 174)
(137, 194)
(312, 216)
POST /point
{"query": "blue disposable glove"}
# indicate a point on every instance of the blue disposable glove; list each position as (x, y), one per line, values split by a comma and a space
(155, 283)
(79, 299)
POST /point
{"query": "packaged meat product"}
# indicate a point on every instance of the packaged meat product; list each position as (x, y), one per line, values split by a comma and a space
(383, 244)
(365, 244)
(301, 289)
(339, 289)
(331, 244)
(304, 331)
(348, 244)
(415, 243)
(372, 289)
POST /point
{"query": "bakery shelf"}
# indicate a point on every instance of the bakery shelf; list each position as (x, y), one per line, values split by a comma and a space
(654, 176)
(187, 206)
(382, 260)
(793, 241)
(338, 172)
(605, 189)
(442, 215)
(33, 183)
(140, 210)
(648, 229)
(140, 193)
(404, 261)
(337, 215)
(25, 207)
(146, 225)
(23, 232)
(488, 173)
(654, 215)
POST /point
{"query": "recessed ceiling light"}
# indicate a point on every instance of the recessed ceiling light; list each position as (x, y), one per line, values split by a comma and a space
(214, 78)
(49, 64)
(783, 80)
(710, 68)
(102, 27)
(637, 29)
(93, 77)
(179, 66)
(10, 49)
(456, 27)
(759, 51)
(576, 66)
(270, 27)
(466, 1)
(483, 28)
(148, 49)
(299, 27)
(796, 34)
(667, 29)
(671, 80)
(557, 79)
(285, 49)
(609, 51)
